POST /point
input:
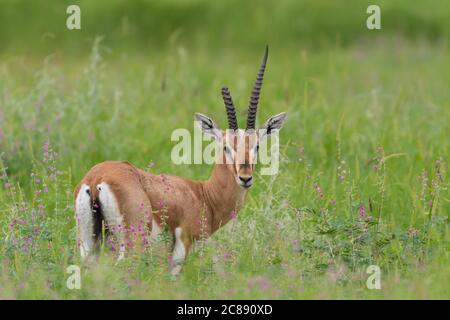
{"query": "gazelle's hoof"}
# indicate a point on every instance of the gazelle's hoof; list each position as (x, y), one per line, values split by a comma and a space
(175, 270)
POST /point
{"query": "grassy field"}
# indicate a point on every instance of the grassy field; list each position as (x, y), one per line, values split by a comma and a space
(363, 178)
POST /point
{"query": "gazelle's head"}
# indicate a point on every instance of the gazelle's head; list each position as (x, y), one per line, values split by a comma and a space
(239, 147)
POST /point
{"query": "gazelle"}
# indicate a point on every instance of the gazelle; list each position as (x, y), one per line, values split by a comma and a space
(128, 198)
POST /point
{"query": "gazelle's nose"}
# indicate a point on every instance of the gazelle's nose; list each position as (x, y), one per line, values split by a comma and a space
(245, 181)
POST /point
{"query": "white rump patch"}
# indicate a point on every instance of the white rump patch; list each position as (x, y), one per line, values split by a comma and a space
(109, 205)
(85, 220)
(111, 213)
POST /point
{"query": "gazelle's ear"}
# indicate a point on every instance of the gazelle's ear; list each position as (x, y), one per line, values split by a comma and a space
(273, 124)
(207, 126)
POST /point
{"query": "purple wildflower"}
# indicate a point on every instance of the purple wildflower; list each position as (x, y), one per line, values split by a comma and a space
(362, 210)
(319, 190)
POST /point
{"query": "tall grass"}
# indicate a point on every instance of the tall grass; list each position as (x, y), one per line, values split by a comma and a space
(362, 176)
(214, 26)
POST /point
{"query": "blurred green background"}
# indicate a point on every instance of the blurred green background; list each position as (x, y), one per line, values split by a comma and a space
(32, 27)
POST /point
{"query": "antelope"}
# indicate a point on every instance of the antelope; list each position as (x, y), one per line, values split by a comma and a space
(124, 197)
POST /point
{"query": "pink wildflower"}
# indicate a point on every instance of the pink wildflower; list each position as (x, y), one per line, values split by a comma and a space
(362, 210)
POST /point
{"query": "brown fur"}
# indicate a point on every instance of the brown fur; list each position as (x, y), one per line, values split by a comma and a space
(183, 202)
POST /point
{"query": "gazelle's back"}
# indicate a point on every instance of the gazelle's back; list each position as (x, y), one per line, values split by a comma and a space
(115, 173)
(125, 195)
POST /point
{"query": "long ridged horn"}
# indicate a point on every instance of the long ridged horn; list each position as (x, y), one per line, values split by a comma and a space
(254, 99)
(229, 106)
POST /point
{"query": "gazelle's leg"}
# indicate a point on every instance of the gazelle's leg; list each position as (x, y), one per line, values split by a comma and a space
(112, 215)
(85, 221)
(180, 250)
(156, 230)
(129, 219)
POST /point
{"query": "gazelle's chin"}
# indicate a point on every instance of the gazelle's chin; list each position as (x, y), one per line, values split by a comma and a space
(245, 186)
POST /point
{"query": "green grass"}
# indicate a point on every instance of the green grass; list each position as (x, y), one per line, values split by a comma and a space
(214, 26)
(377, 107)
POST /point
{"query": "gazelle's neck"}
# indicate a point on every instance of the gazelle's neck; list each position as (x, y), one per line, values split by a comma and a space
(223, 195)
